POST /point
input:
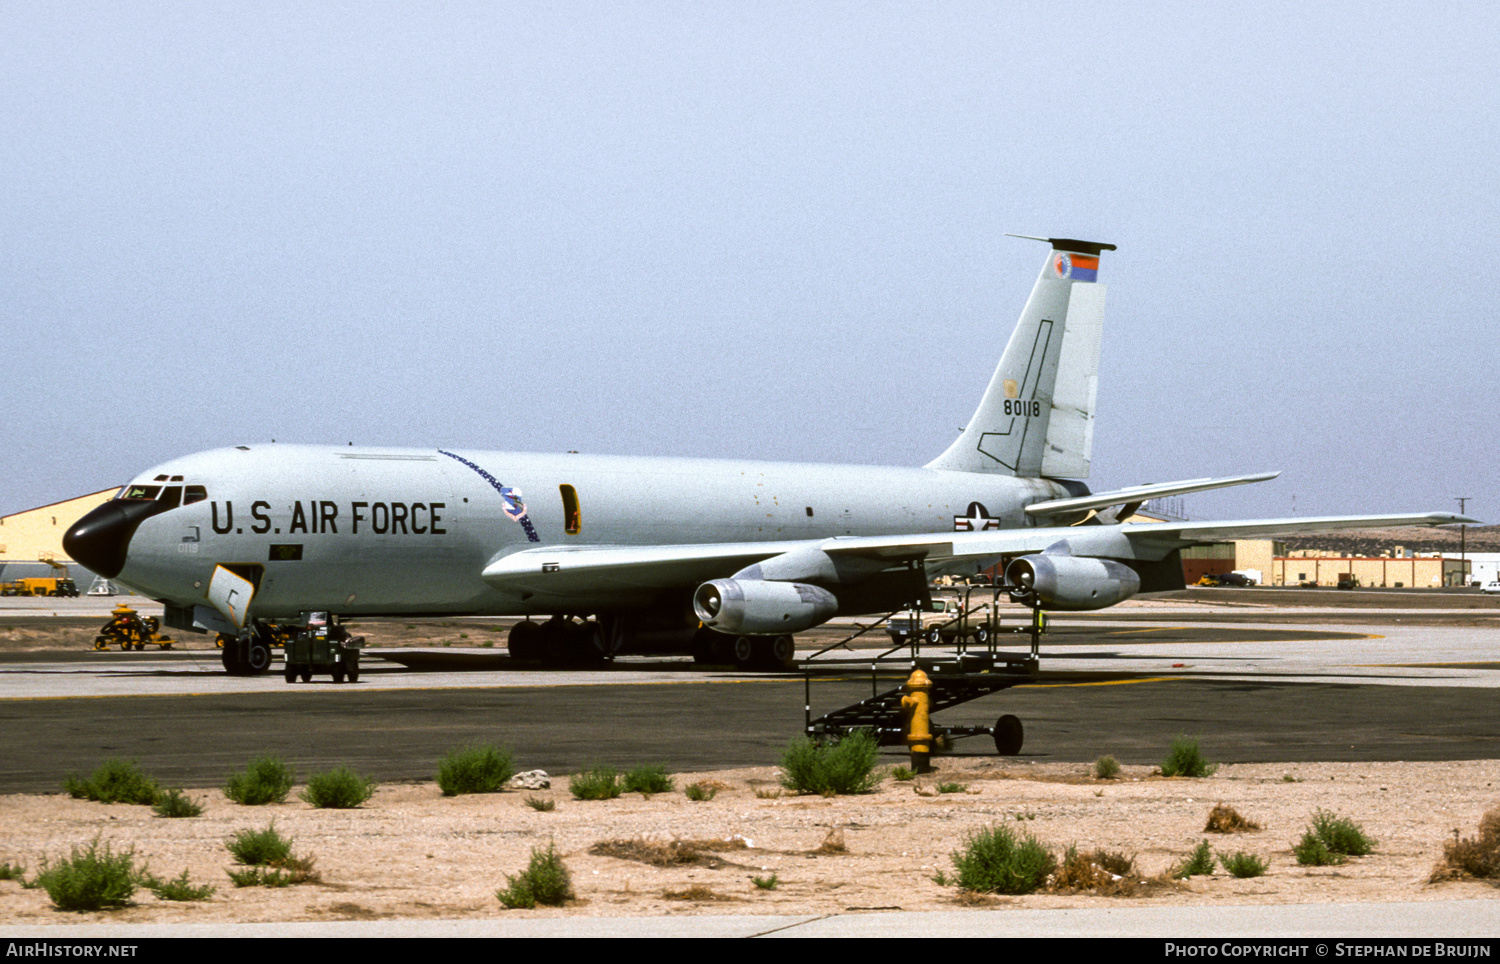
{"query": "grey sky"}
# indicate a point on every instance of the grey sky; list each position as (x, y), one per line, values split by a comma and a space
(762, 230)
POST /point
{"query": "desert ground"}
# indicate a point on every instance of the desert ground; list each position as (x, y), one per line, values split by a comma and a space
(411, 853)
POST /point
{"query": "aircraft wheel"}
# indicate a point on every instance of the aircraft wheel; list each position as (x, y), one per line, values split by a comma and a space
(578, 645)
(230, 657)
(524, 641)
(595, 639)
(257, 659)
(744, 652)
(1009, 734)
(613, 636)
(782, 651)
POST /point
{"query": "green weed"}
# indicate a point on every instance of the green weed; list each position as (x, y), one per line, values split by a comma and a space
(903, 774)
(1185, 760)
(115, 781)
(10, 871)
(595, 783)
(1199, 864)
(1106, 768)
(92, 877)
(474, 769)
(259, 848)
(1241, 864)
(544, 881)
(648, 779)
(178, 888)
(1330, 840)
(338, 789)
(265, 780)
(700, 792)
(268, 860)
(952, 787)
(1342, 835)
(539, 804)
(175, 803)
(846, 766)
(295, 870)
(996, 860)
(766, 883)
(1313, 852)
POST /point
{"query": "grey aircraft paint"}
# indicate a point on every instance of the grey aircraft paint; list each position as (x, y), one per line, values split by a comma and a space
(357, 531)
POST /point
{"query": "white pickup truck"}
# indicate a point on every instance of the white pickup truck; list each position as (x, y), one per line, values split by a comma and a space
(940, 623)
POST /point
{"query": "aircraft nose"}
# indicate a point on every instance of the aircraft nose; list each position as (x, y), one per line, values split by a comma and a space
(100, 539)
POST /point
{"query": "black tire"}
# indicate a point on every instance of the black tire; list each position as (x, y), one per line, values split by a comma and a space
(257, 659)
(783, 651)
(352, 661)
(1009, 735)
(230, 656)
(744, 651)
(524, 641)
(307, 672)
(291, 673)
(934, 636)
(338, 672)
(981, 635)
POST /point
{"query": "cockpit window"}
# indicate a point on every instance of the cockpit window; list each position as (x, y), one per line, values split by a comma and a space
(169, 495)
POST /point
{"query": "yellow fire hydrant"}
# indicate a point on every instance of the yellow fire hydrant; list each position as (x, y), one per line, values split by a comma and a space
(917, 703)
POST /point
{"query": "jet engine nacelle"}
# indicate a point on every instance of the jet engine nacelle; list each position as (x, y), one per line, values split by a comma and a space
(1073, 582)
(756, 607)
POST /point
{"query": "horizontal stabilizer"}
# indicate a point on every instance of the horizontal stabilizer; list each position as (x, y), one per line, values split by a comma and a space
(1139, 494)
(1267, 528)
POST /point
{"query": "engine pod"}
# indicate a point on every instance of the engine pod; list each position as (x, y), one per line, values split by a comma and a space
(756, 607)
(1072, 583)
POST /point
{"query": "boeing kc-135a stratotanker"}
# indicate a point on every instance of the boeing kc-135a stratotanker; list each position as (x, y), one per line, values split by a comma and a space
(611, 554)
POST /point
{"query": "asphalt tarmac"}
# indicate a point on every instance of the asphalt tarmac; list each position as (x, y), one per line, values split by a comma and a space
(1250, 692)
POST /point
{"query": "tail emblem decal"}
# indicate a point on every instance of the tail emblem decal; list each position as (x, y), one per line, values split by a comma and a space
(1077, 267)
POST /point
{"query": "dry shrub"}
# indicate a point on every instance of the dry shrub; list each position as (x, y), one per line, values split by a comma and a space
(1226, 819)
(833, 843)
(1466, 858)
(1106, 873)
(697, 892)
(676, 853)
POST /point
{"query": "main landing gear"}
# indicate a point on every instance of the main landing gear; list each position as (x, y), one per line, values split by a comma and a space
(566, 641)
(573, 641)
(745, 652)
(249, 653)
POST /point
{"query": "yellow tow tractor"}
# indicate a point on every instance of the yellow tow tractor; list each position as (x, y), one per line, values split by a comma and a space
(127, 628)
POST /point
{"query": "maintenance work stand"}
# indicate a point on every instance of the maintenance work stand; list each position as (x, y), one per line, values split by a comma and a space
(962, 661)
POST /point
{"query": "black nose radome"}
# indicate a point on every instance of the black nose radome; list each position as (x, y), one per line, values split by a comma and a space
(100, 539)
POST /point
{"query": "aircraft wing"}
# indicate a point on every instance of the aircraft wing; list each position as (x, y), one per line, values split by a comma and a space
(595, 572)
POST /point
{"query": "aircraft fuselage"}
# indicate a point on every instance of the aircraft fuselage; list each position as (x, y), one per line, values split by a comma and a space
(362, 531)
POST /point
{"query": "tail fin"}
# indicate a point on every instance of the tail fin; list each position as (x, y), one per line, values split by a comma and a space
(1037, 416)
